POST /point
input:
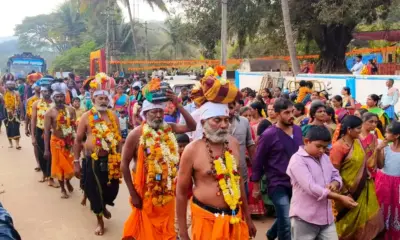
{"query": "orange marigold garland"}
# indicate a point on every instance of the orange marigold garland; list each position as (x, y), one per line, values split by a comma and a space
(161, 151)
(106, 137)
(11, 101)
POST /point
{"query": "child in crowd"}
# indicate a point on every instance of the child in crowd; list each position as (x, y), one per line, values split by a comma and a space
(123, 124)
(315, 181)
(387, 181)
(76, 104)
(304, 90)
(183, 140)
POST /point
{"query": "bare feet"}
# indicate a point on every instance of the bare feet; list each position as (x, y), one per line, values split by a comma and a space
(64, 194)
(11, 146)
(42, 180)
(18, 147)
(83, 202)
(37, 169)
(53, 184)
(106, 213)
(100, 226)
(69, 186)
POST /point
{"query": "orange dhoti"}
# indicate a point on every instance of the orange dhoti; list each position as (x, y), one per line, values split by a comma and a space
(61, 159)
(151, 222)
(209, 226)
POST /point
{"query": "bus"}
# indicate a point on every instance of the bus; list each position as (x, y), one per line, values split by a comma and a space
(20, 65)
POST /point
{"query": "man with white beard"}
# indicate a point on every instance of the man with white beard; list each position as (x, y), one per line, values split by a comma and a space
(219, 202)
(98, 135)
(154, 148)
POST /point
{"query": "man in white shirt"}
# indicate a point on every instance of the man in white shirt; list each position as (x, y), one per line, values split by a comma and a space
(358, 66)
(389, 99)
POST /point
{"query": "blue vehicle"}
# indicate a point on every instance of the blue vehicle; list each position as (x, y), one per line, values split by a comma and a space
(20, 65)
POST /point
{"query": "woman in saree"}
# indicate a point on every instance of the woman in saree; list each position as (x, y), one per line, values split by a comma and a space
(348, 101)
(372, 106)
(256, 206)
(365, 221)
(121, 100)
(135, 96)
(258, 114)
(337, 104)
(368, 138)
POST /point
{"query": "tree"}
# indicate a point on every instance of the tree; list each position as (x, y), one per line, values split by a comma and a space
(176, 32)
(331, 23)
(75, 59)
(289, 36)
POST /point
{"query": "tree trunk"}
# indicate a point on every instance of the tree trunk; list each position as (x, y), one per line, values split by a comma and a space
(332, 41)
(289, 37)
(132, 23)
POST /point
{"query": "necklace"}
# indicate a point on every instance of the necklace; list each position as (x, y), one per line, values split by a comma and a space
(224, 170)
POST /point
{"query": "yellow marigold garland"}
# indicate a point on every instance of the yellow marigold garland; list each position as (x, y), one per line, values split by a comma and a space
(66, 125)
(106, 137)
(161, 150)
(229, 182)
(41, 111)
(29, 104)
(11, 101)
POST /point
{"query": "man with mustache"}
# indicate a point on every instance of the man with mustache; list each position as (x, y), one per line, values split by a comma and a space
(59, 122)
(275, 148)
(98, 135)
(39, 109)
(154, 149)
(219, 201)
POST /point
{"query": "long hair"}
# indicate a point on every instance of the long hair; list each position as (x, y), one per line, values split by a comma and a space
(260, 107)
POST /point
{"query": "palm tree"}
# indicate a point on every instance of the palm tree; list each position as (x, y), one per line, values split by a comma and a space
(289, 36)
(127, 3)
(176, 33)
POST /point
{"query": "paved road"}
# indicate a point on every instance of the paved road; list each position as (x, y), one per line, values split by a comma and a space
(40, 214)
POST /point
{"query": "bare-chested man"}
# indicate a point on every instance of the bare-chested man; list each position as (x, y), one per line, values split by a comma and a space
(59, 122)
(39, 109)
(153, 189)
(213, 216)
(28, 119)
(101, 148)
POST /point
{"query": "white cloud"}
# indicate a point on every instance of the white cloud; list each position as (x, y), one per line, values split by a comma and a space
(14, 11)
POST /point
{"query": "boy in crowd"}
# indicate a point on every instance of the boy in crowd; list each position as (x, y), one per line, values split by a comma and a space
(315, 181)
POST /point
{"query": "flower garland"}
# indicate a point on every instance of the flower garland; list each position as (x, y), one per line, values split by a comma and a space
(11, 101)
(29, 104)
(66, 126)
(161, 163)
(228, 178)
(106, 137)
(42, 108)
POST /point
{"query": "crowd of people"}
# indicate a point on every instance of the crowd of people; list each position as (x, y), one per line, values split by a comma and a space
(325, 167)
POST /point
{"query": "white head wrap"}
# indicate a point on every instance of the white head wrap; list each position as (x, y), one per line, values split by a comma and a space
(10, 83)
(210, 109)
(137, 83)
(59, 88)
(147, 106)
(101, 92)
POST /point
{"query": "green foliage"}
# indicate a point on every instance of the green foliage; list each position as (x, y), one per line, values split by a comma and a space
(76, 59)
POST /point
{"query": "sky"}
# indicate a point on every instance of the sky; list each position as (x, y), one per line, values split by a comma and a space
(14, 11)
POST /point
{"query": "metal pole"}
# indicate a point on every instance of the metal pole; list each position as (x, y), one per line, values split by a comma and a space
(108, 38)
(146, 74)
(224, 32)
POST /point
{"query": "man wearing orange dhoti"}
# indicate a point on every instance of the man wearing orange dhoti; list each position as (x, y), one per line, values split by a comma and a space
(60, 120)
(154, 149)
(219, 205)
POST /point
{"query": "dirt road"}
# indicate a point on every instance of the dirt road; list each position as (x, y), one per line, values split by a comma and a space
(40, 214)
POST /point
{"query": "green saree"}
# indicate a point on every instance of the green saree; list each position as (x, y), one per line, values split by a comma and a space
(365, 221)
